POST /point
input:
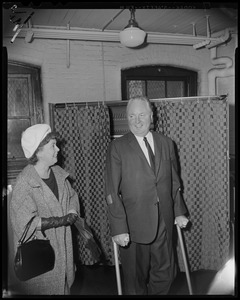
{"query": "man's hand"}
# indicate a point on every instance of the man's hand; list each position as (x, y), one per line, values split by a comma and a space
(122, 239)
(181, 221)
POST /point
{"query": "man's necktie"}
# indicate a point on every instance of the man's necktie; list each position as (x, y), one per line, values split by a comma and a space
(150, 154)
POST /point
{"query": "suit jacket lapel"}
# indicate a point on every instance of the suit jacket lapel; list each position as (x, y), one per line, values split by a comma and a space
(134, 143)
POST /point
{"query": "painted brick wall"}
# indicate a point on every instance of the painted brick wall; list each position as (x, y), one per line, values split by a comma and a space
(95, 67)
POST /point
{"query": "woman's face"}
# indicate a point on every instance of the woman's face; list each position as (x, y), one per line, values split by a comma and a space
(139, 117)
(48, 153)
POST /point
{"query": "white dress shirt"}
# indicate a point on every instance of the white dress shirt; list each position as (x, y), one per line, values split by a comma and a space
(141, 142)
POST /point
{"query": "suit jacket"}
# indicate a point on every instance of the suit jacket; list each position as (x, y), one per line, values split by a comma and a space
(133, 190)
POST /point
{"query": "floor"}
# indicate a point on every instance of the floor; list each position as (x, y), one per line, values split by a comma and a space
(101, 280)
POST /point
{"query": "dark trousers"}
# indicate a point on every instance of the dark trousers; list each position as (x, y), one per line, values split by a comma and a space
(148, 269)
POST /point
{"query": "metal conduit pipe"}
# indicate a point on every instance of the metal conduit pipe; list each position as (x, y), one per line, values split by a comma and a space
(224, 69)
(231, 30)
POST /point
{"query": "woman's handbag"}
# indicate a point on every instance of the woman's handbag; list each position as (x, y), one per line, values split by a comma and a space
(33, 257)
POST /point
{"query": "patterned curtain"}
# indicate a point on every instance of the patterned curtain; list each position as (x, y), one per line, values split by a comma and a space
(199, 129)
(85, 135)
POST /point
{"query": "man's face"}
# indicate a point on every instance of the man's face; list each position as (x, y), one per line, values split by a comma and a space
(139, 117)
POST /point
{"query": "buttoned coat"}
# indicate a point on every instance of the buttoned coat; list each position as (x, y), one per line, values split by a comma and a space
(32, 197)
(132, 188)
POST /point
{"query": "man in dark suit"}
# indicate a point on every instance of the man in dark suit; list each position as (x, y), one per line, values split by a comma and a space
(144, 200)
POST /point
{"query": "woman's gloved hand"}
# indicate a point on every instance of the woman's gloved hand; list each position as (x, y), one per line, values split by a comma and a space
(54, 222)
(71, 218)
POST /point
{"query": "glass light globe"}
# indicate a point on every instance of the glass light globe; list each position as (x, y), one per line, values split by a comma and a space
(132, 37)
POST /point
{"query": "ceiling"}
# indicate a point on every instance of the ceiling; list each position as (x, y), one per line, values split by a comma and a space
(153, 20)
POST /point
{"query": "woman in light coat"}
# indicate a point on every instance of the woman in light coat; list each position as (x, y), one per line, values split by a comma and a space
(42, 190)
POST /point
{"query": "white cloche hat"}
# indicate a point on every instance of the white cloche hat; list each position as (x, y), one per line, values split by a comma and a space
(32, 137)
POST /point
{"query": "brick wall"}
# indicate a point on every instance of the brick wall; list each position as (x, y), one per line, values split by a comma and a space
(95, 68)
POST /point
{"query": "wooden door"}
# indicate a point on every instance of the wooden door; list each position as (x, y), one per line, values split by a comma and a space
(24, 105)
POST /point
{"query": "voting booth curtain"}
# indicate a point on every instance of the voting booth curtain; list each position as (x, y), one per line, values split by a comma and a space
(199, 128)
(84, 134)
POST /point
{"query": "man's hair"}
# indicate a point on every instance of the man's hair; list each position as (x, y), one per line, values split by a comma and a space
(140, 98)
(50, 136)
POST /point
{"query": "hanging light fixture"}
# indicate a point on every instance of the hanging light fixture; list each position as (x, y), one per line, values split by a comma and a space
(132, 35)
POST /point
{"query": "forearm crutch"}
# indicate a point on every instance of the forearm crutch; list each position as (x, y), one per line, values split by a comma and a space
(115, 250)
(184, 259)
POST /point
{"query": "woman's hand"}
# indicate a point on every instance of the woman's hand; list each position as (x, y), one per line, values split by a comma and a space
(71, 218)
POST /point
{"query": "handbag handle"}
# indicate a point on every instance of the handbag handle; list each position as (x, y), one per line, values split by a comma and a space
(22, 238)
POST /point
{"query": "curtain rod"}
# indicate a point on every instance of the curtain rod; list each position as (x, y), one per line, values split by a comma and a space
(218, 97)
(90, 103)
(121, 102)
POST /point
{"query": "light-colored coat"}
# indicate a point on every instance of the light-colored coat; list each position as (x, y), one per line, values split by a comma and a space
(32, 197)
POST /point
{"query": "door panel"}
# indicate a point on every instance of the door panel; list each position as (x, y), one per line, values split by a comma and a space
(25, 108)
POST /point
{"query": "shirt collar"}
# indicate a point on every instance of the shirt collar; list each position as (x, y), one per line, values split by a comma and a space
(148, 136)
